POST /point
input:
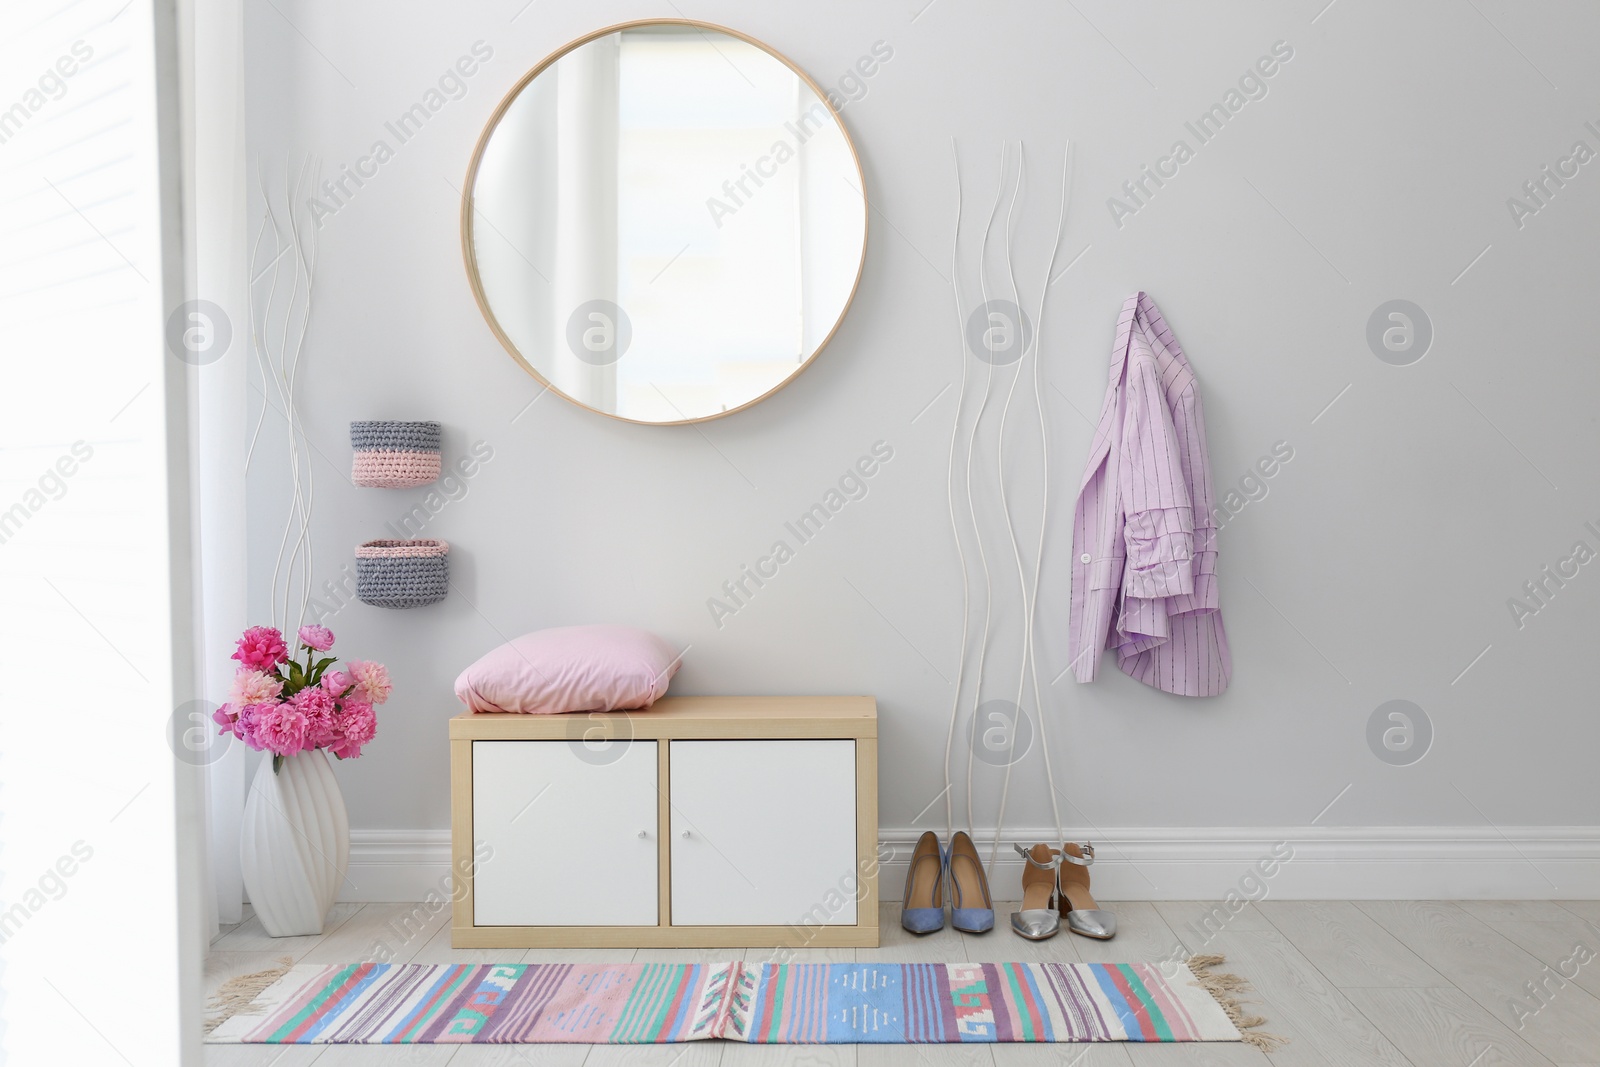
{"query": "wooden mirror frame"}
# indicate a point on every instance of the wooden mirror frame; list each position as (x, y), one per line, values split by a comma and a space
(468, 210)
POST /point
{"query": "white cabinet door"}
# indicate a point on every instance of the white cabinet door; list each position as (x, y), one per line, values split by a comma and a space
(572, 842)
(763, 832)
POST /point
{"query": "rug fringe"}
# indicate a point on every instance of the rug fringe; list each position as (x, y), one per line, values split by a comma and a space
(1228, 989)
(237, 994)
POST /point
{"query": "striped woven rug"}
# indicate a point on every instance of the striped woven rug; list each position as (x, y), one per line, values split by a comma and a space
(797, 1003)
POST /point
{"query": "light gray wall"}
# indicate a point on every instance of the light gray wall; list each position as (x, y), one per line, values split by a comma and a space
(1377, 167)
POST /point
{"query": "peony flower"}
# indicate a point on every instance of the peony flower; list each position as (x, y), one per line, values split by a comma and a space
(281, 729)
(317, 705)
(225, 717)
(357, 724)
(254, 687)
(246, 722)
(317, 637)
(261, 648)
(336, 682)
(372, 680)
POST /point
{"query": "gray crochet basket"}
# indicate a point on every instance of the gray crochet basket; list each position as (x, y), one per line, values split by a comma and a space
(402, 574)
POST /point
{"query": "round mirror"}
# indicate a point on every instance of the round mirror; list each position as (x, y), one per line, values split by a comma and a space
(664, 221)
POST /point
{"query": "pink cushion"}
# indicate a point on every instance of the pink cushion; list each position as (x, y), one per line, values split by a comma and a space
(570, 668)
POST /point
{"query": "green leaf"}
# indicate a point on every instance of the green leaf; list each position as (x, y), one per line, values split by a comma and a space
(277, 764)
(317, 670)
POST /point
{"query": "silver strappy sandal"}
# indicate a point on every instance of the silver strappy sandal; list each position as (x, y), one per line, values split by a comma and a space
(1083, 916)
(1039, 917)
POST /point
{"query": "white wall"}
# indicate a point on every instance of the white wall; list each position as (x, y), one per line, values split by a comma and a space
(1378, 166)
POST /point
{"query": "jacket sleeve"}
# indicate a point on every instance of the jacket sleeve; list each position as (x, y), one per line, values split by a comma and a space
(1190, 423)
(1158, 531)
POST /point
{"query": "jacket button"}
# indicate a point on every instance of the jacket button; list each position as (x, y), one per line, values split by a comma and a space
(1084, 558)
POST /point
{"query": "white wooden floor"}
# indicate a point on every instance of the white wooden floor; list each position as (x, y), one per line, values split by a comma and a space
(1425, 983)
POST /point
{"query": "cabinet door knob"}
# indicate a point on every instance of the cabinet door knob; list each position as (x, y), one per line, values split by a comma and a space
(687, 834)
(643, 833)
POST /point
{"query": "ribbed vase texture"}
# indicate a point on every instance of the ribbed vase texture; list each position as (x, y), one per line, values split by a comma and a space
(295, 846)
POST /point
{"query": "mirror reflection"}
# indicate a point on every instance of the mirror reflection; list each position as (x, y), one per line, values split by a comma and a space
(667, 223)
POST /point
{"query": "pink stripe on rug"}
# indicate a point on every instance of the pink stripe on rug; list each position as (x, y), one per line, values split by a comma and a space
(1171, 1007)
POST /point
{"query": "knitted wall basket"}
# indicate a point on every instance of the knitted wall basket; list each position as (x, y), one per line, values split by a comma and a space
(394, 455)
(402, 574)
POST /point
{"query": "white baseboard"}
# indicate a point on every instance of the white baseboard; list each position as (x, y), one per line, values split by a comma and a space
(397, 865)
(1337, 863)
(1173, 863)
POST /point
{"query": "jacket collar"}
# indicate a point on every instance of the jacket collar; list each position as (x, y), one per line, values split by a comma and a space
(1152, 315)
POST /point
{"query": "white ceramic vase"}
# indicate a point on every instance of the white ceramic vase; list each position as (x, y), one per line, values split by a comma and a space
(295, 844)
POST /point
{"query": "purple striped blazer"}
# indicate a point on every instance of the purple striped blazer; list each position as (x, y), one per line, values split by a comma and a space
(1144, 543)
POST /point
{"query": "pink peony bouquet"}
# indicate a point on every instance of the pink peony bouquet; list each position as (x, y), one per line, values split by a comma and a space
(285, 707)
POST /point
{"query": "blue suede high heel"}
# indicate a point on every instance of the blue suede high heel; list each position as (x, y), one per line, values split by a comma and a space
(923, 909)
(971, 909)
